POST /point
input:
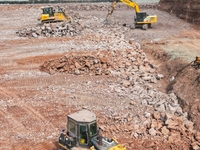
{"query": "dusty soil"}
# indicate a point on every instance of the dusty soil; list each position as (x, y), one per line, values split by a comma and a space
(34, 104)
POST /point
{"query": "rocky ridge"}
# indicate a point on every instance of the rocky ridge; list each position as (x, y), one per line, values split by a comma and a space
(162, 118)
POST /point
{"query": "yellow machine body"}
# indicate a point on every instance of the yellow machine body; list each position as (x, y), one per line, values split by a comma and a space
(131, 4)
(149, 19)
(83, 133)
(49, 14)
(118, 147)
(196, 63)
(197, 59)
(142, 18)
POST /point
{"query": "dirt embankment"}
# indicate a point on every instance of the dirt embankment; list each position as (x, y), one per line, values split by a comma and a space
(186, 86)
(188, 10)
(180, 77)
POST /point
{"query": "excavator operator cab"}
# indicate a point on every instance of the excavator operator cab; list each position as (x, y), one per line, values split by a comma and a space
(140, 16)
(81, 128)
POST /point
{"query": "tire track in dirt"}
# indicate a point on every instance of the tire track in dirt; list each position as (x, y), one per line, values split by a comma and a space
(3, 121)
(8, 117)
(6, 94)
(19, 115)
(16, 125)
(36, 115)
(4, 145)
(16, 113)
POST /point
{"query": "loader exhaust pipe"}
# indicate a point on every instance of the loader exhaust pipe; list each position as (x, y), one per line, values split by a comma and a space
(100, 143)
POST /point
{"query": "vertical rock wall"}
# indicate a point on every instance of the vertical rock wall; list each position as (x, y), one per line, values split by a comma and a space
(184, 9)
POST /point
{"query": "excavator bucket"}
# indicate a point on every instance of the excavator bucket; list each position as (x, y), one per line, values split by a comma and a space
(110, 12)
(107, 20)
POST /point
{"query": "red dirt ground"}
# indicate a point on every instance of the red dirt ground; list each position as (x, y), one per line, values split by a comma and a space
(33, 106)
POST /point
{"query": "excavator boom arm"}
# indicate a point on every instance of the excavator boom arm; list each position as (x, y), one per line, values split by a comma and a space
(127, 2)
(113, 8)
(131, 4)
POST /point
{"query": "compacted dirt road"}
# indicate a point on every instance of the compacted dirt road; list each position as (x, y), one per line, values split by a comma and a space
(131, 91)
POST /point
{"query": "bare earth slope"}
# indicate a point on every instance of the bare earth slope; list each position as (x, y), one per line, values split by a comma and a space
(178, 53)
(187, 10)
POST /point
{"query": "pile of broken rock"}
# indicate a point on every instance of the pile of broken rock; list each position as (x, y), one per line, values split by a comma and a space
(164, 119)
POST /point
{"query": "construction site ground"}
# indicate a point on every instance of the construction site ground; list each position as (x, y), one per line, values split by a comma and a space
(34, 104)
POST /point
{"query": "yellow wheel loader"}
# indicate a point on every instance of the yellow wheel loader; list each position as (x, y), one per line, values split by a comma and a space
(142, 19)
(83, 133)
(50, 14)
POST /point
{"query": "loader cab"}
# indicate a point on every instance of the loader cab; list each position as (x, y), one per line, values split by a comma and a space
(81, 128)
(48, 10)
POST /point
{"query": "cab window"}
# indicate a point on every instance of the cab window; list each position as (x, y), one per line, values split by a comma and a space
(45, 11)
(93, 129)
(83, 134)
(72, 127)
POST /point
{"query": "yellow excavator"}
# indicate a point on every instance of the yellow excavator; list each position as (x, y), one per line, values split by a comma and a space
(195, 64)
(142, 19)
(50, 14)
(83, 134)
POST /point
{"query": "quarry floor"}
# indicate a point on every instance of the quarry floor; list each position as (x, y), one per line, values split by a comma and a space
(34, 104)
